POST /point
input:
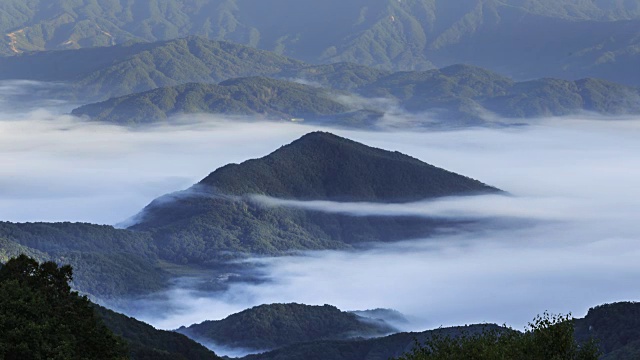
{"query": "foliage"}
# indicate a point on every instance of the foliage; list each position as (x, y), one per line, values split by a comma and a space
(460, 93)
(41, 318)
(115, 71)
(617, 328)
(548, 337)
(145, 342)
(466, 92)
(276, 325)
(381, 348)
(216, 217)
(257, 96)
(582, 38)
(108, 262)
(306, 170)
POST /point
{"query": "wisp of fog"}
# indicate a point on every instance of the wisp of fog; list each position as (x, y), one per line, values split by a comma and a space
(576, 180)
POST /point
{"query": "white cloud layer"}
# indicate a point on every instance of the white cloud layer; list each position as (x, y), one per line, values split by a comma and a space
(576, 180)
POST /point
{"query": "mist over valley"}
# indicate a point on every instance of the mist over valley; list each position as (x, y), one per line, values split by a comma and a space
(304, 180)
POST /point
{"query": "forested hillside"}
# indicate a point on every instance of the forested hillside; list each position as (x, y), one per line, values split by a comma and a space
(458, 95)
(109, 263)
(101, 73)
(258, 97)
(204, 223)
(273, 326)
(572, 40)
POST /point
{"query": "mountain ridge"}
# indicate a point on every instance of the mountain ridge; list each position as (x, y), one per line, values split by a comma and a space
(216, 217)
(596, 39)
(272, 326)
(457, 95)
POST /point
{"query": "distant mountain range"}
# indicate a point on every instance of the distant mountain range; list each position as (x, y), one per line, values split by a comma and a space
(523, 39)
(147, 82)
(258, 97)
(455, 95)
(133, 67)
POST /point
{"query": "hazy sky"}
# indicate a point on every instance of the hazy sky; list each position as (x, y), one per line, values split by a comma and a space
(576, 180)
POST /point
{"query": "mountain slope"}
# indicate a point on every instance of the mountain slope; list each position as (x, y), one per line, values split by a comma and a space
(41, 318)
(613, 326)
(457, 95)
(219, 214)
(277, 325)
(257, 96)
(371, 349)
(572, 39)
(108, 263)
(322, 166)
(146, 342)
(135, 67)
(617, 328)
(467, 92)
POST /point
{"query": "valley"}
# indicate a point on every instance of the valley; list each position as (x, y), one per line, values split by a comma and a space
(359, 180)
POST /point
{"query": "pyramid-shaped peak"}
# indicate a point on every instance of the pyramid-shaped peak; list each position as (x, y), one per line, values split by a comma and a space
(321, 165)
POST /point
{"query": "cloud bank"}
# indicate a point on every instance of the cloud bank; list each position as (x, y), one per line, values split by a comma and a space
(576, 180)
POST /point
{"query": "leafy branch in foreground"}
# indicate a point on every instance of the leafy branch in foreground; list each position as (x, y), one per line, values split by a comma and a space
(41, 318)
(548, 337)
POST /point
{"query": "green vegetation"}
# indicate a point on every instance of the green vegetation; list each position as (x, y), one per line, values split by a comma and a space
(135, 67)
(617, 328)
(147, 343)
(109, 262)
(458, 94)
(306, 169)
(549, 337)
(215, 217)
(382, 348)
(41, 318)
(463, 92)
(581, 38)
(257, 96)
(277, 325)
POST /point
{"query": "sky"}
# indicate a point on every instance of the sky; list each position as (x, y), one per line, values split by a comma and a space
(568, 239)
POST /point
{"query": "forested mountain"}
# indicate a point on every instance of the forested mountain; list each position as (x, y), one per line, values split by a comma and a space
(306, 169)
(457, 95)
(273, 326)
(614, 327)
(382, 348)
(256, 96)
(219, 215)
(109, 263)
(520, 38)
(468, 92)
(146, 342)
(617, 328)
(133, 67)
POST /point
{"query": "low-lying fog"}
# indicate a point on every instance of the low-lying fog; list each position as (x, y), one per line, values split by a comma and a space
(577, 181)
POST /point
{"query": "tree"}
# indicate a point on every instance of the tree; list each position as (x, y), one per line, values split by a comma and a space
(41, 318)
(548, 337)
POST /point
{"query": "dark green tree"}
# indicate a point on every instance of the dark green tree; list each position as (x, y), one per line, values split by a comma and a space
(41, 318)
(548, 337)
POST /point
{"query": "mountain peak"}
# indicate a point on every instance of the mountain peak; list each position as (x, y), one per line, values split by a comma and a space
(324, 166)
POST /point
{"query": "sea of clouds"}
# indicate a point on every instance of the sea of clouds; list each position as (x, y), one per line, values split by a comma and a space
(572, 189)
